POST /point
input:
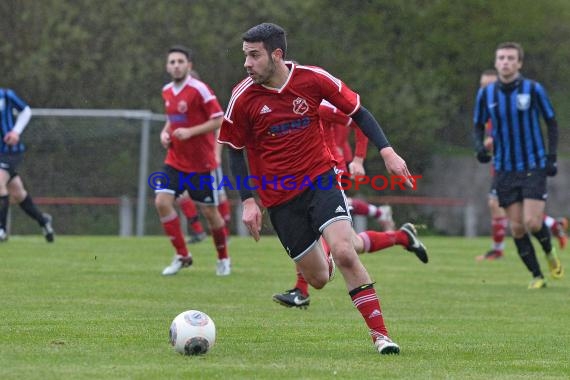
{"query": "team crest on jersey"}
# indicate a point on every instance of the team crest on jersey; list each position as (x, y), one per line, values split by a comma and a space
(523, 102)
(300, 106)
(182, 106)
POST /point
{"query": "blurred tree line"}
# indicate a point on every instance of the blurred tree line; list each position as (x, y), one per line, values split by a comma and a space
(416, 63)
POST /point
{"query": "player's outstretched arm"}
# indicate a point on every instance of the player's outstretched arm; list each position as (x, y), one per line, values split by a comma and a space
(370, 127)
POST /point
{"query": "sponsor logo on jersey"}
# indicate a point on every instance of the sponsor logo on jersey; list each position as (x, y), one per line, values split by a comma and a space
(289, 127)
(177, 118)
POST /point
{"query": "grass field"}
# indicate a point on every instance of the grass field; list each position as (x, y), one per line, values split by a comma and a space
(97, 307)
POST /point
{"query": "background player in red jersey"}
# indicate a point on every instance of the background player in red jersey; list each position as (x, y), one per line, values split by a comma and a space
(194, 225)
(331, 119)
(499, 220)
(273, 115)
(193, 113)
(336, 126)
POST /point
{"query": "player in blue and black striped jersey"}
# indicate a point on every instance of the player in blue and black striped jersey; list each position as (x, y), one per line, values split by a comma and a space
(14, 117)
(521, 157)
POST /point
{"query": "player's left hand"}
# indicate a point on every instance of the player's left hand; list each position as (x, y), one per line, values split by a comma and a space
(182, 133)
(551, 165)
(396, 165)
(12, 138)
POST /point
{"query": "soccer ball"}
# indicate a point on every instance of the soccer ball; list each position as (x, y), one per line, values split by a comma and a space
(192, 333)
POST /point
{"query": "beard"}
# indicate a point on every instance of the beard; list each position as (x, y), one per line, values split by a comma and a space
(264, 77)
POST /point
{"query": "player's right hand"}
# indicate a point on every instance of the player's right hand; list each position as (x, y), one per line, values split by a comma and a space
(356, 168)
(12, 138)
(165, 139)
(251, 217)
(483, 156)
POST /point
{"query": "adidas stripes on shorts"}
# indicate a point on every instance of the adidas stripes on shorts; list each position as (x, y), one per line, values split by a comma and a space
(300, 221)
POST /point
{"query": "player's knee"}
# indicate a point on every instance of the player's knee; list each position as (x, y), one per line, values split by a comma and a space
(344, 254)
(163, 203)
(213, 216)
(533, 224)
(517, 230)
(17, 197)
(319, 281)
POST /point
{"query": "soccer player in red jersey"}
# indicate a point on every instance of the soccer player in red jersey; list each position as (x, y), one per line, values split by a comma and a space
(195, 228)
(188, 208)
(331, 119)
(193, 114)
(273, 115)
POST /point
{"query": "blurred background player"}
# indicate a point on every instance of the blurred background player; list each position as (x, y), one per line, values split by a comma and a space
(521, 174)
(337, 126)
(14, 117)
(196, 232)
(368, 241)
(193, 114)
(195, 229)
(499, 220)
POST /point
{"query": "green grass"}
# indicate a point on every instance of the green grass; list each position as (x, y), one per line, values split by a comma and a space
(97, 307)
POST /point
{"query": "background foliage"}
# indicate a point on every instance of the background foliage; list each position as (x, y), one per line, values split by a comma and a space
(416, 63)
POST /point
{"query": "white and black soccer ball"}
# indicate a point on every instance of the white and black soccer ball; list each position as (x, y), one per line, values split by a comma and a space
(192, 333)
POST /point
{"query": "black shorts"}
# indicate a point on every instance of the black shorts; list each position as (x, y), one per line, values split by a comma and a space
(300, 221)
(201, 187)
(10, 162)
(513, 187)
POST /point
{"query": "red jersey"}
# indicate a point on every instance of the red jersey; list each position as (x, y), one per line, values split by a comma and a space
(192, 104)
(336, 125)
(280, 129)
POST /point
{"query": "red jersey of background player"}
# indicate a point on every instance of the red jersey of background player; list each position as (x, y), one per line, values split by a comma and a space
(192, 104)
(273, 122)
(489, 147)
(336, 125)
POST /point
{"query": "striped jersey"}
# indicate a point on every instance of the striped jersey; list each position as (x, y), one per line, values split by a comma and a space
(280, 129)
(10, 105)
(514, 110)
